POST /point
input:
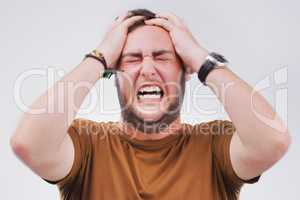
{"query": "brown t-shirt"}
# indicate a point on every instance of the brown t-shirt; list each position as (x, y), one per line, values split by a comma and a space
(192, 164)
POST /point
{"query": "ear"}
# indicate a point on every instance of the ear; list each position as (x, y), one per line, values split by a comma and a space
(115, 81)
(187, 76)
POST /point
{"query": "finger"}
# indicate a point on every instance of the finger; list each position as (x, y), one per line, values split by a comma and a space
(160, 22)
(132, 20)
(118, 20)
(172, 18)
(123, 16)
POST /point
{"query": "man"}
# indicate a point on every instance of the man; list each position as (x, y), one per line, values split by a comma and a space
(150, 153)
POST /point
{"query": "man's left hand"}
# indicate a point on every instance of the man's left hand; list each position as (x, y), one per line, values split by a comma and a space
(186, 46)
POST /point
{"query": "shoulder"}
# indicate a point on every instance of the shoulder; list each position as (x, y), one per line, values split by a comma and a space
(210, 133)
(91, 127)
(91, 131)
(210, 128)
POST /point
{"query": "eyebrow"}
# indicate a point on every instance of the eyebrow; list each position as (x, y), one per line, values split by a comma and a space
(154, 53)
(160, 52)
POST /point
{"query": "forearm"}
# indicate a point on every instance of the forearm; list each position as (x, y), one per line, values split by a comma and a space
(246, 108)
(45, 131)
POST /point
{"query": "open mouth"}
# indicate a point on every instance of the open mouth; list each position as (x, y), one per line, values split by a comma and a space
(150, 92)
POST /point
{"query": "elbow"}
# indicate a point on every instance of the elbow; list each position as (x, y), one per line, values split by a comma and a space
(271, 152)
(281, 144)
(19, 147)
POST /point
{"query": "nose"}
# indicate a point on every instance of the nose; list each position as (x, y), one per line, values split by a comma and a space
(148, 67)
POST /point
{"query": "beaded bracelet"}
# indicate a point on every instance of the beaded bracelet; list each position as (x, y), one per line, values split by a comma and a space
(95, 54)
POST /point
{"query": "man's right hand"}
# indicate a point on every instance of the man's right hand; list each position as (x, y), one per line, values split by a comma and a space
(48, 150)
(114, 39)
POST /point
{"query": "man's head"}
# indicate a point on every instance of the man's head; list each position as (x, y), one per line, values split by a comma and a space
(151, 86)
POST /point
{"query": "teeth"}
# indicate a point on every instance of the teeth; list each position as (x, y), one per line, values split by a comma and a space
(150, 89)
(149, 96)
(150, 92)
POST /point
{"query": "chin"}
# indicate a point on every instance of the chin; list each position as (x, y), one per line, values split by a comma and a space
(149, 112)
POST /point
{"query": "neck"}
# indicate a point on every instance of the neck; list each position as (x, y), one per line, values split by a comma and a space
(132, 131)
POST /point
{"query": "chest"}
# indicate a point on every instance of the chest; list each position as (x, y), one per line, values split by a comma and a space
(178, 172)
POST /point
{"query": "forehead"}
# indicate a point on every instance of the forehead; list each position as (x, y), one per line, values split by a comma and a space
(147, 39)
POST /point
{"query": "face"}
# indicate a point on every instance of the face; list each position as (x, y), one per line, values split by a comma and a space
(151, 86)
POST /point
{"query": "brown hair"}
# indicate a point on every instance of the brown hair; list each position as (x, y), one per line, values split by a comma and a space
(140, 12)
(148, 15)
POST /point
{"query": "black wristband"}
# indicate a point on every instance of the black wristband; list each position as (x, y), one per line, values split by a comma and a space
(205, 69)
(100, 60)
(107, 73)
(213, 61)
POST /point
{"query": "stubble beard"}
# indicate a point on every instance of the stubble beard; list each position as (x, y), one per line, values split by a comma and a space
(155, 126)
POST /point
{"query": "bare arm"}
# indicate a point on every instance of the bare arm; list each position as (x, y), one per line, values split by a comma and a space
(41, 141)
(260, 141)
(257, 145)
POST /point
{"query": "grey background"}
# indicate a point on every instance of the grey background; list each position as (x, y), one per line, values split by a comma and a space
(258, 37)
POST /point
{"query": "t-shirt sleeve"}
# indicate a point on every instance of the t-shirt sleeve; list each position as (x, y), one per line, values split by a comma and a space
(82, 150)
(223, 131)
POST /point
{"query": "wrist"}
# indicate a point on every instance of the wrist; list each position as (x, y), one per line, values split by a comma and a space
(106, 56)
(200, 56)
(96, 66)
(99, 56)
(213, 61)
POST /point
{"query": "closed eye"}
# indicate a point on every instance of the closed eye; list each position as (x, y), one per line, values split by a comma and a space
(161, 58)
(163, 55)
(131, 60)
